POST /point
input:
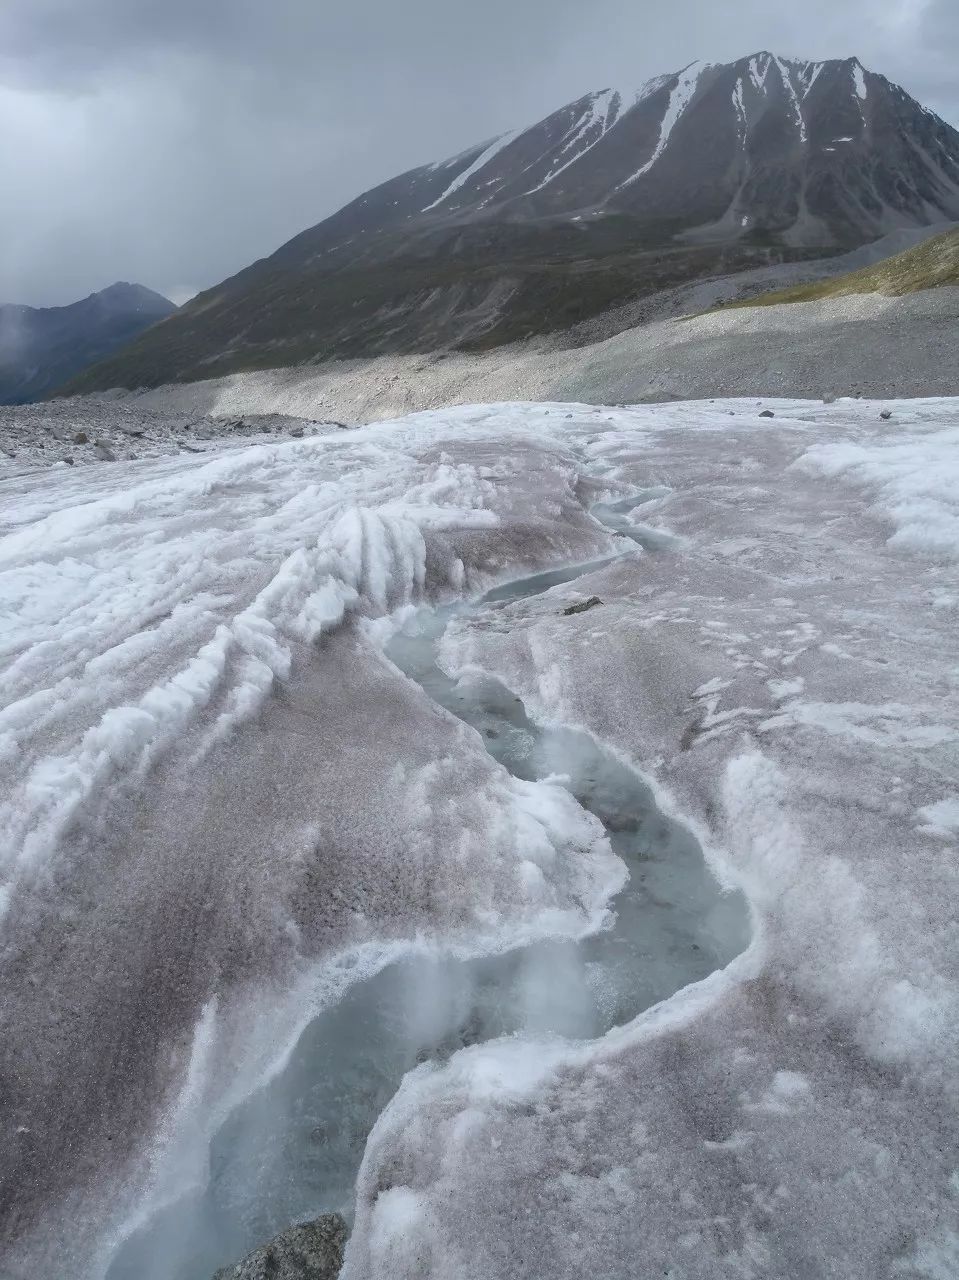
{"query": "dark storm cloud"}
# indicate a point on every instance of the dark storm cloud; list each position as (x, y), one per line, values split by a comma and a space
(173, 142)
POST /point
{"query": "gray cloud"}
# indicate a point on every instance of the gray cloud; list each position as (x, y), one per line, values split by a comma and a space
(173, 142)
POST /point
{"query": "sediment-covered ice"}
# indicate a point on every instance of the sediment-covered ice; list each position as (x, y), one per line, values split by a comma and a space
(786, 677)
(224, 805)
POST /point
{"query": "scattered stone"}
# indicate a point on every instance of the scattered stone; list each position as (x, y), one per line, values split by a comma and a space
(886, 415)
(103, 451)
(767, 413)
(81, 438)
(591, 603)
(296, 432)
(68, 461)
(311, 1251)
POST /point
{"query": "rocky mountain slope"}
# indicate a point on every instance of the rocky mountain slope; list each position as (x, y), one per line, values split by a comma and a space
(41, 347)
(702, 172)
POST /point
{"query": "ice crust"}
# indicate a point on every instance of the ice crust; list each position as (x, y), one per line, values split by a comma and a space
(224, 806)
(794, 1115)
(200, 755)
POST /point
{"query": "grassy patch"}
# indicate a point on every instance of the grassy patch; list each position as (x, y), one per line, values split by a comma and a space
(930, 265)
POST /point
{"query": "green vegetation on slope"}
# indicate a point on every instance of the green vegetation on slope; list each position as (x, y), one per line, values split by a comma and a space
(930, 265)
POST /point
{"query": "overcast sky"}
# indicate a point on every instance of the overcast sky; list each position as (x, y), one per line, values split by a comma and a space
(172, 142)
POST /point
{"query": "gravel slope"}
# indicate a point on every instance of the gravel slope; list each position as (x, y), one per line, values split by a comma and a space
(879, 347)
(869, 345)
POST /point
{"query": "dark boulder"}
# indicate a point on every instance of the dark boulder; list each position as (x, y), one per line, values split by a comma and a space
(310, 1251)
(582, 607)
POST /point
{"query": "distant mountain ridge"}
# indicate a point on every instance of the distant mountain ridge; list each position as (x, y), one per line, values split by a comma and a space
(704, 171)
(41, 347)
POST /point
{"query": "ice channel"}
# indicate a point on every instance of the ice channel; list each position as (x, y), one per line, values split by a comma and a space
(292, 1150)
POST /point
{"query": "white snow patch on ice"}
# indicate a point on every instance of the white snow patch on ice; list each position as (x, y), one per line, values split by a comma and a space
(712, 686)
(914, 479)
(395, 1228)
(941, 819)
(881, 725)
(783, 689)
(788, 1089)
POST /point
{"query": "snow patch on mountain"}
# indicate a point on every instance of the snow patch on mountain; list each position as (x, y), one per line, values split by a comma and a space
(652, 86)
(759, 67)
(786, 76)
(601, 113)
(679, 100)
(482, 160)
(742, 121)
(809, 74)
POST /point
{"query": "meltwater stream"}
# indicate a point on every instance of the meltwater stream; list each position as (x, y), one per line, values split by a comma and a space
(293, 1149)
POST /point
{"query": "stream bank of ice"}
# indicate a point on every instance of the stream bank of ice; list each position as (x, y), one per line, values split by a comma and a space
(292, 1150)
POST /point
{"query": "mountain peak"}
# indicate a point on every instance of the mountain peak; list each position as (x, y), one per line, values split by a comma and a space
(704, 170)
(42, 347)
(123, 293)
